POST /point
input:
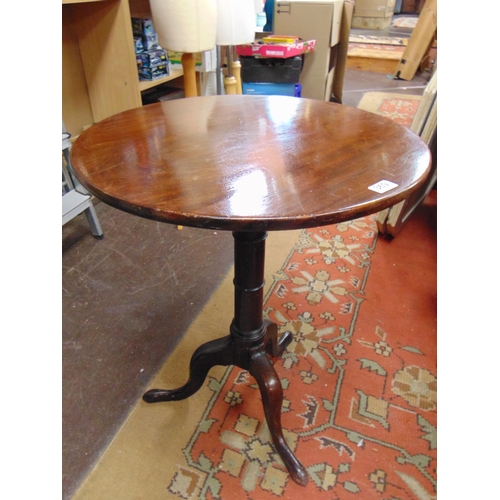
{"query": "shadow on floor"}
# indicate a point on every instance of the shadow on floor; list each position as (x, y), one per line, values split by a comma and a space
(127, 300)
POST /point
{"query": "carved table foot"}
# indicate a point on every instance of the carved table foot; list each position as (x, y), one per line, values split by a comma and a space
(216, 352)
(271, 391)
(251, 356)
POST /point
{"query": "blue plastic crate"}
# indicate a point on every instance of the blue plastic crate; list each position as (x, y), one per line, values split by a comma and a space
(289, 89)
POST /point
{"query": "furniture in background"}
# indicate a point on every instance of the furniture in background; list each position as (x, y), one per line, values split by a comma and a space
(410, 6)
(196, 26)
(341, 50)
(283, 172)
(422, 39)
(373, 14)
(75, 198)
(328, 22)
(236, 24)
(391, 220)
(188, 27)
(99, 69)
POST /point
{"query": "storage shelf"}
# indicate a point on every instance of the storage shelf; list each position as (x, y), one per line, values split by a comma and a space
(174, 73)
(99, 61)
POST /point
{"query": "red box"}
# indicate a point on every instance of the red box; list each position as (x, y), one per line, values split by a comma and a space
(280, 50)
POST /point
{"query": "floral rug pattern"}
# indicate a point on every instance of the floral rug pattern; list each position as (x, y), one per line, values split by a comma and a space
(359, 407)
(398, 107)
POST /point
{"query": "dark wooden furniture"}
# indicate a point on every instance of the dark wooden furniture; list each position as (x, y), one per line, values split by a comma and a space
(249, 164)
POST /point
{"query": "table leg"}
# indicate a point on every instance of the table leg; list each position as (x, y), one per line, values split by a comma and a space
(216, 352)
(250, 343)
(271, 391)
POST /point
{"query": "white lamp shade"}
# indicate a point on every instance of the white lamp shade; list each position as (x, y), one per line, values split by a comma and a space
(235, 22)
(185, 25)
(259, 6)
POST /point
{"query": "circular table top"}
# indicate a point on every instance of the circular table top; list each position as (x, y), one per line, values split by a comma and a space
(250, 163)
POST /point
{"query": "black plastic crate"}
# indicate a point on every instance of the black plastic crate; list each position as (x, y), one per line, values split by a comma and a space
(271, 70)
(162, 92)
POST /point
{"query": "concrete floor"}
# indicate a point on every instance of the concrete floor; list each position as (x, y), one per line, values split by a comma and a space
(358, 83)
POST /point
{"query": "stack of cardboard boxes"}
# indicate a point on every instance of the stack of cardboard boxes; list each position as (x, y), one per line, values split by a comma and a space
(272, 66)
(152, 60)
(318, 20)
(373, 14)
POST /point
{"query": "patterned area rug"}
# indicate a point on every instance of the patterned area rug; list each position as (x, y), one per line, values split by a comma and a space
(399, 107)
(359, 409)
(378, 40)
(405, 22)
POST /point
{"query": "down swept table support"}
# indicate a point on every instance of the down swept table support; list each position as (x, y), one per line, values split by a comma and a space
(251, 342)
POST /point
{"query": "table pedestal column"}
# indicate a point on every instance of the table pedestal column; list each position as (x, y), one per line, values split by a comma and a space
(249, 345)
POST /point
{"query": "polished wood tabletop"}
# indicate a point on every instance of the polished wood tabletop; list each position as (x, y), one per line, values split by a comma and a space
(250, 163)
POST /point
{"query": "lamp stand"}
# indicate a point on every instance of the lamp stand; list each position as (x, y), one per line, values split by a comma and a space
(237, 72)
(230, 82)
(188, 66)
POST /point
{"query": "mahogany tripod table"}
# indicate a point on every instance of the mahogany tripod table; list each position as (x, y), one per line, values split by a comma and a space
(249, 164)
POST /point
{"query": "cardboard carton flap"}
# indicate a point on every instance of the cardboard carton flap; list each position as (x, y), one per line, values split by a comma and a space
(271, 49)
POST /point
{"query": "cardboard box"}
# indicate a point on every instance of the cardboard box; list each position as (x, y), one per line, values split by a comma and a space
(154, 72)
(371, 23)
(151, 58)
(421, 39)
(204, 61)
(374, 8)
(150, 41)
(318, 20)
(318, 87)
(142, 26)
(281, 50)
(138, 45)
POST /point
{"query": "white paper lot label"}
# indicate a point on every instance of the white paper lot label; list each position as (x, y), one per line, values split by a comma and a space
(382, 186)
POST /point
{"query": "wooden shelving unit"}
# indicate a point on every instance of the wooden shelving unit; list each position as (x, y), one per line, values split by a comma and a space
(99, 74)
(174, 74)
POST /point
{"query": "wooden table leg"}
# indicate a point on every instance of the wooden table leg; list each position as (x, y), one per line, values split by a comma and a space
(216, 352)
(252, 340)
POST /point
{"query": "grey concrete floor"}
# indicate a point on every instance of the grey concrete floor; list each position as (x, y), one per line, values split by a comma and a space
(358, 83)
